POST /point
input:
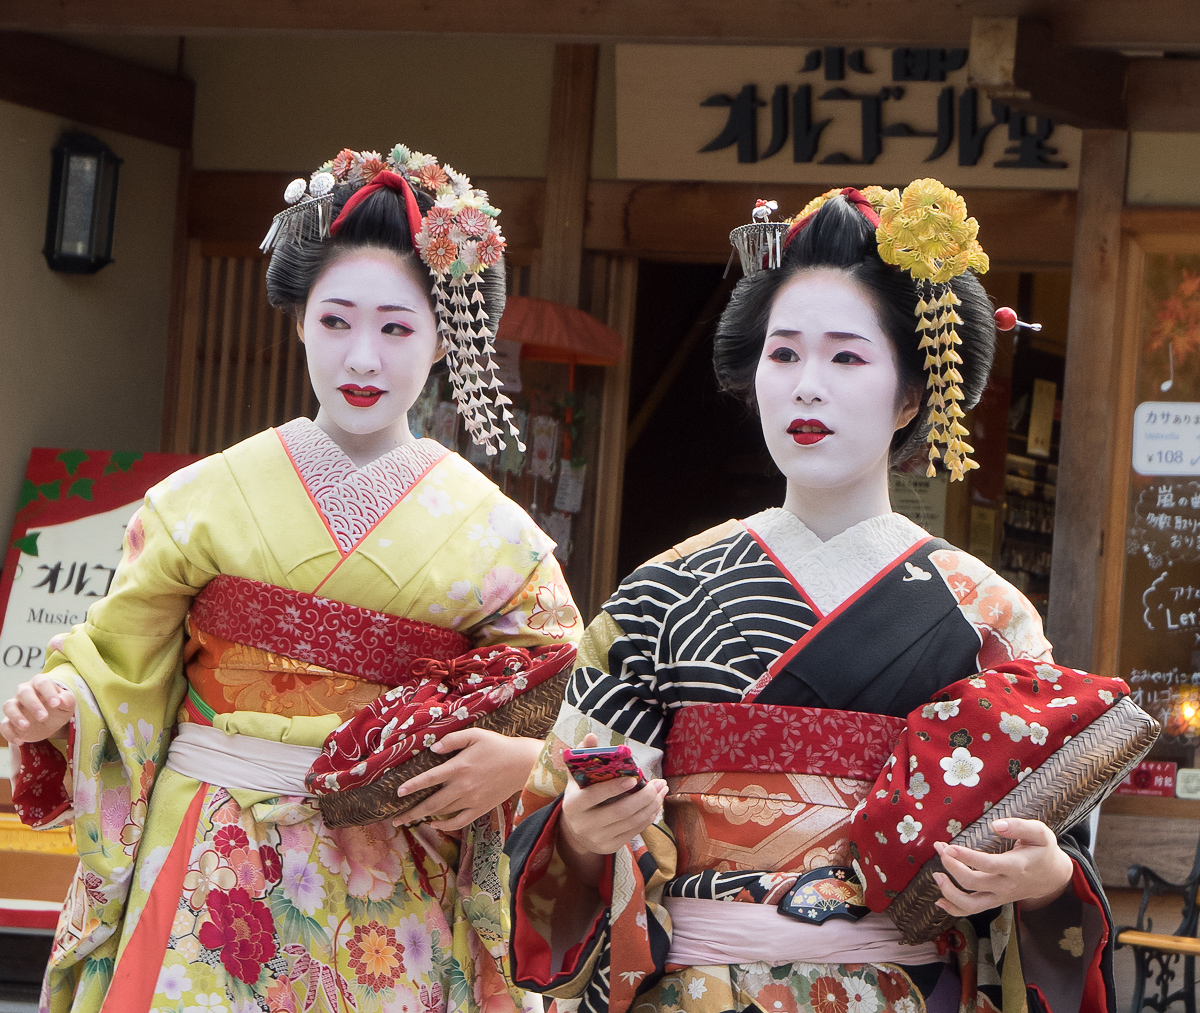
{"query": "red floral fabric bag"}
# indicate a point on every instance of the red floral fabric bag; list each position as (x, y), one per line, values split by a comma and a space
(444, 697)
(960, 755)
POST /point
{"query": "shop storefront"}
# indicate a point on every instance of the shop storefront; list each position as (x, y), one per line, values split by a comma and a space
(1087, 497)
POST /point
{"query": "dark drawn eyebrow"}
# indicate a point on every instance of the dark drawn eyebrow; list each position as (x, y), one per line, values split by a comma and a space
(783, 332)
(387, 308)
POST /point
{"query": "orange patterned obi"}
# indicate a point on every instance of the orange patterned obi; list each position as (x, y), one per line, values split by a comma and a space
(761, 797)
(258, 647)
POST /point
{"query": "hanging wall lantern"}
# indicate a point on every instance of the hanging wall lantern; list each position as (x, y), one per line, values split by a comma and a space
(83, 204)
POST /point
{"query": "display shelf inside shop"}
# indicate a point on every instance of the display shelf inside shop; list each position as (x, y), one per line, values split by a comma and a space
(1030, 488)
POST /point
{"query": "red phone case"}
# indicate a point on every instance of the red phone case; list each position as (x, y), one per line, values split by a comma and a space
(602, 763)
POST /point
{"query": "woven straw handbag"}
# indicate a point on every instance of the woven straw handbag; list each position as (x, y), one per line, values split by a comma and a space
(1060, 793)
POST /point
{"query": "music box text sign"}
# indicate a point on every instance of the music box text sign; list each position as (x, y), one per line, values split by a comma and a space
(830, 114)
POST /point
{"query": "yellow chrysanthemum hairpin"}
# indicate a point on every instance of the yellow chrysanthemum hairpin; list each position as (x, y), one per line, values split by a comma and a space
(925, 231)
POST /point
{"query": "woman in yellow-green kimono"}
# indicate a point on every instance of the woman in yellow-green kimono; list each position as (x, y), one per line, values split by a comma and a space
(269, 594)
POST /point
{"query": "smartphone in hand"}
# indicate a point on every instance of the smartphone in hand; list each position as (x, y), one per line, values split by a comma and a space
(602, 763)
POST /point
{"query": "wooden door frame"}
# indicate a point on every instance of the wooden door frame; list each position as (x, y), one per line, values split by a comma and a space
(1144, 231)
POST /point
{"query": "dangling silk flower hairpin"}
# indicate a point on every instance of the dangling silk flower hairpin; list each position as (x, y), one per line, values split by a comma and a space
(457, 239)
(925, 231)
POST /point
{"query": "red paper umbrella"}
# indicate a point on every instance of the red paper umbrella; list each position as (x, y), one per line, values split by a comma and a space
(554, 332)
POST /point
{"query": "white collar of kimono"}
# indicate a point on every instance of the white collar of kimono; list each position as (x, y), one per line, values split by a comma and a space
(830, 572)
(353, 500)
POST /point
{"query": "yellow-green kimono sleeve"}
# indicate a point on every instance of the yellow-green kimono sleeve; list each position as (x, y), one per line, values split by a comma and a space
(124, 665)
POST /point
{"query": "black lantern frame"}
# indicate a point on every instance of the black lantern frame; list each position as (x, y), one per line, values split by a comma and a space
(83, 205)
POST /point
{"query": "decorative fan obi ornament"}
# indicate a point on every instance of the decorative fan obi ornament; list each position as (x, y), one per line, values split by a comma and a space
(1026, 740)
(503, 689)
(457, 240)
(925, 231)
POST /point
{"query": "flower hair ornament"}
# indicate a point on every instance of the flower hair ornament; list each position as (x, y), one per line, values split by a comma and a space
(457, 239)
(925, 231)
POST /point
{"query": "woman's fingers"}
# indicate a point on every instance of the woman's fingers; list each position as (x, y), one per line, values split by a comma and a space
(50, 692)
(444, 801)
(458, 820)
(1034, 833)
(38, 709)
(440, 774)
(457, 740)
(620, 834)
(957, 902)
(15, 714)
(967, 877)
(1001, 864)
(605, 827)
(66, 702)
(31, 702)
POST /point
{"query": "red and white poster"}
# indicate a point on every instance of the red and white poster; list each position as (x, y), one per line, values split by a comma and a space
(65, 547)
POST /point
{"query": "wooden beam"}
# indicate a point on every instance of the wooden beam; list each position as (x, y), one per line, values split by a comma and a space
(1163, 94)
(568, 164)
(610, 454)
(94, 89)
(1020, 228)
(1085, 472)
(1018, 62)
(1115, 24)
(1145, 220)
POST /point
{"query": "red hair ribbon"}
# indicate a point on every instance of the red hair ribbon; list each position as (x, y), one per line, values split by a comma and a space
(391, 181)
(854, 197)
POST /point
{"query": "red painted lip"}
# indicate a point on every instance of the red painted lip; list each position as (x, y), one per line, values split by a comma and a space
(361, 397)
(809, 438)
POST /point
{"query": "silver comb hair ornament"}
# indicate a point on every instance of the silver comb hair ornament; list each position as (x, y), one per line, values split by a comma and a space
(759, 245)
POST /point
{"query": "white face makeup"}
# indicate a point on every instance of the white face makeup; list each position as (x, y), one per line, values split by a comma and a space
(370, 338)
(827, 385)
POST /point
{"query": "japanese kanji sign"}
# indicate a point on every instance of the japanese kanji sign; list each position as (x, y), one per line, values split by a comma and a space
(826, 114)
(65, 546)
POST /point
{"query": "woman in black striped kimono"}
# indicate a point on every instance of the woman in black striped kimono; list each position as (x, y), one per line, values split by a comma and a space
(773, 676)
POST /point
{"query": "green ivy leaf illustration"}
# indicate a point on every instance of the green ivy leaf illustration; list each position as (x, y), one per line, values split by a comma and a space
(29, 493)
(122, 460)
(50, 489)
(28, 544)
(81, 487)
(72, 459)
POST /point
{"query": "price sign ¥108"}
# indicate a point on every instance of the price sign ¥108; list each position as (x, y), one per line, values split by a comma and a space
(1166, 438)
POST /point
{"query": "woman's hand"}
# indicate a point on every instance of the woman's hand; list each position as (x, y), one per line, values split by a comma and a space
(41, 709)
(486, 770)
(1035, 872)
(603, 818)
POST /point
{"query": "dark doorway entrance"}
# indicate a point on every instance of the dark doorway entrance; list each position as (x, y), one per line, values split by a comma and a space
(695, 457)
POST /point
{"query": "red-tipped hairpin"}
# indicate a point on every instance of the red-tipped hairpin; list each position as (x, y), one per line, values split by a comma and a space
(1006, 320)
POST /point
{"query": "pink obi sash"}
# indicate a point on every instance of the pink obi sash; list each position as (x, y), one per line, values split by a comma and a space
(344, 638)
